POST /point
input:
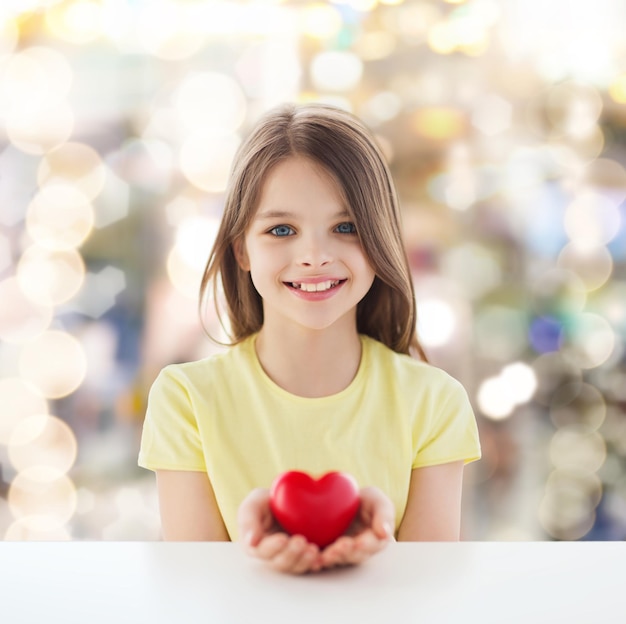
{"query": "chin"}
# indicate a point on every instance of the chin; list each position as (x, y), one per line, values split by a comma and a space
(322, 324)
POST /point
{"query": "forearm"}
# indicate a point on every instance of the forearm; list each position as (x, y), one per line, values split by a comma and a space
(188, 508)
(433, 512)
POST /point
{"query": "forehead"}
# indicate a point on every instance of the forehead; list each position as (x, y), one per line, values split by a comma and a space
(300, 180)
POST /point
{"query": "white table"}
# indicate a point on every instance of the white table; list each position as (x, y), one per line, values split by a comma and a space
(158, 583)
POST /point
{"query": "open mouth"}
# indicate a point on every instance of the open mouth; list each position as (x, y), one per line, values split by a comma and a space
(319, 287)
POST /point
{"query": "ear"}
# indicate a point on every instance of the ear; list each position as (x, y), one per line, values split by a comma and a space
(239, 249)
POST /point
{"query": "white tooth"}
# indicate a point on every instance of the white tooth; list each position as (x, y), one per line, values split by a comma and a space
(319, 287)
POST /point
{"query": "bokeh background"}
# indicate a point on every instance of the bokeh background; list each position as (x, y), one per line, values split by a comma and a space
(504, 122)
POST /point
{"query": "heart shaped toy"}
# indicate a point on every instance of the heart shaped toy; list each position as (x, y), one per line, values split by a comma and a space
(319, 509)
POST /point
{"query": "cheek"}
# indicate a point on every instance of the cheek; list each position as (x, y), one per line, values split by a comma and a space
(364, 267)
(370, 281)
(369, 275)
(263, 268)
(268, 258)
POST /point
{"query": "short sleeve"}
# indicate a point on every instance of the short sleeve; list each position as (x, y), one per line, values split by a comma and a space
(170, 439)
(453, 432)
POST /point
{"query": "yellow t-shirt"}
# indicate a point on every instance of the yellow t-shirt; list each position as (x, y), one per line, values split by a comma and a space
(225, 416)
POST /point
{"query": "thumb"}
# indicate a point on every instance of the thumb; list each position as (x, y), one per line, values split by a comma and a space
(382, 513)
(251, 538)
(251, 516)
(383, 529)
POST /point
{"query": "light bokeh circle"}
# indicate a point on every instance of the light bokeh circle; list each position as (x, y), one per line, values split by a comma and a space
(55, 363)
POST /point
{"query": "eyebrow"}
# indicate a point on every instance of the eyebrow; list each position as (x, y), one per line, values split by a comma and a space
(282, 214)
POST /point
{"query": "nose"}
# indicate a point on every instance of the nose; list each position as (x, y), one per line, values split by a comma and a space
(314, 251)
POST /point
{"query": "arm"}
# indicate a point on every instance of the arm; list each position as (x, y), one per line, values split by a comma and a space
(189, 511)
(433, 511)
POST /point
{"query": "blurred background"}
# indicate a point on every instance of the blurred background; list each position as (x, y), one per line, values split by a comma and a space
(504, 122)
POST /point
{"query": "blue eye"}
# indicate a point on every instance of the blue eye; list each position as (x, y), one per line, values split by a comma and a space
(346, 228)
(281, 230)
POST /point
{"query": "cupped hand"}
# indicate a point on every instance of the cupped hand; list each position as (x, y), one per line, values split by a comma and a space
(369, 533)
(264, 539)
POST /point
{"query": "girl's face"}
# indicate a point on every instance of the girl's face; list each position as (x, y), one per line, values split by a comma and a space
(302, 250)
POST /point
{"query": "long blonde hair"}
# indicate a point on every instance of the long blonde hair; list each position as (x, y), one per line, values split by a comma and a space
(342, 145)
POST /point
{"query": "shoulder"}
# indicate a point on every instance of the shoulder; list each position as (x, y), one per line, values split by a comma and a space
(416, 384)
(203, 372)
(407, 370)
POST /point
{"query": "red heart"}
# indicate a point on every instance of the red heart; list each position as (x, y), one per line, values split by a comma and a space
(320, 510)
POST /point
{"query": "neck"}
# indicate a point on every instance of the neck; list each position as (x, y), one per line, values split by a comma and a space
(309, 363)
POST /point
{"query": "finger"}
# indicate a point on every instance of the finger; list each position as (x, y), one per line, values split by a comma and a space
(368, 544)
(367, 541)
(383, 528)
(308, 561)
(378, 512)
(338, 553)
(271, 546)
(254, 517)
(299, 557)
(292, 558)
(365, 545)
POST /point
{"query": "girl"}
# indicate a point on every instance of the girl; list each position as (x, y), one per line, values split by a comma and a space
(325, 371)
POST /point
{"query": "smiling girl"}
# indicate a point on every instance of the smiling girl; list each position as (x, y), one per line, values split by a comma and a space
(324, 371)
